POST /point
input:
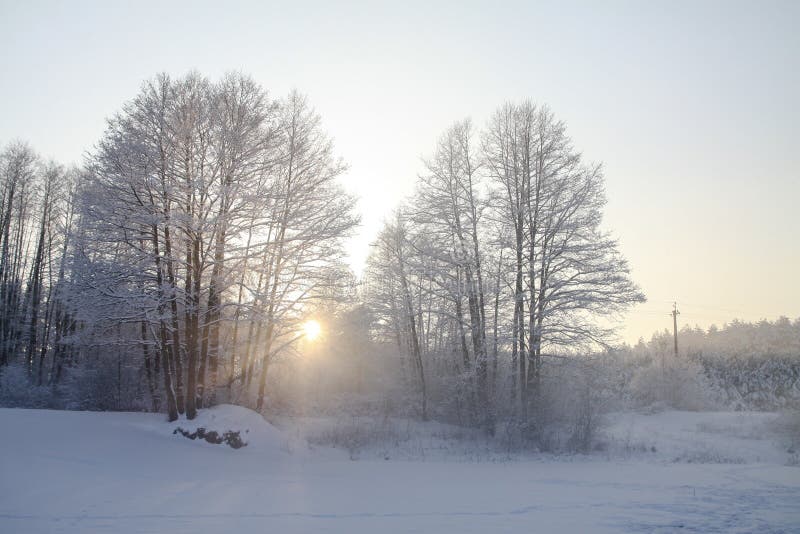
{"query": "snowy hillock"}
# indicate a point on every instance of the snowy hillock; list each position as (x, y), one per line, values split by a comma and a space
(252, 429)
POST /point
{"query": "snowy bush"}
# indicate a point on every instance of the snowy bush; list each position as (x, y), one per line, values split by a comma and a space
(17, 390)
(567, 412)
(92, 385)
(354, 434)
(677, 383)
(96, 384)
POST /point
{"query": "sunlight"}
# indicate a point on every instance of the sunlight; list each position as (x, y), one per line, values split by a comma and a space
(312, 329)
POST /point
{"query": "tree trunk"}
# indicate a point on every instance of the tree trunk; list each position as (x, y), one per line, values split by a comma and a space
(175, 353)
(172, 405)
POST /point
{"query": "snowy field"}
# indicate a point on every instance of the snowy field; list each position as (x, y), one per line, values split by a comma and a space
(127, 472)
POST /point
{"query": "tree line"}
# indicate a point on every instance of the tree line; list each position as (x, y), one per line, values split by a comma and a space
(37, 200)
(207, 224)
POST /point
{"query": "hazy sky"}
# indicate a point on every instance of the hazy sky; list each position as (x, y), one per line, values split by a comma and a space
(692, 107)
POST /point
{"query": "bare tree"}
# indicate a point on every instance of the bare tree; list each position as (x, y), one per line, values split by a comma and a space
(447, 208)
(571, 270)
(389, 262)
(208, 188)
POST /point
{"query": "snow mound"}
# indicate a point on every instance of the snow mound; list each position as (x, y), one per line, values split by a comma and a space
(254, 430)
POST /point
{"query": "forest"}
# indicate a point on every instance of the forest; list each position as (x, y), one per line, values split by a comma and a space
(196, 258)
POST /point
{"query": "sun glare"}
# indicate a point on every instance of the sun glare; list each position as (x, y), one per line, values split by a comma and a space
(312, 330)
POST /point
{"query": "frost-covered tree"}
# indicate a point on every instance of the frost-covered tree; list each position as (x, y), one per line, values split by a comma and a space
(567, 269)
(527, 202)
(211, 214)
(36, 201)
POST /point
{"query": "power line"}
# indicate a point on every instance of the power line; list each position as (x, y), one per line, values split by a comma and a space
(748, 312)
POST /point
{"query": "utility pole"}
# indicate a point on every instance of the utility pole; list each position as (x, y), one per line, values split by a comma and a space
(675, 314)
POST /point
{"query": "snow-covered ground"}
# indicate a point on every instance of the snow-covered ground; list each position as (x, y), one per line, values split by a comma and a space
(126, 472)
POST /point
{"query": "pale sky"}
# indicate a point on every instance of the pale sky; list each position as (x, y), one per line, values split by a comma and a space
(691, 106)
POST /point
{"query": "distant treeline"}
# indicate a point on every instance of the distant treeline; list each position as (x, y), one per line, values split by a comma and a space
(748, 365)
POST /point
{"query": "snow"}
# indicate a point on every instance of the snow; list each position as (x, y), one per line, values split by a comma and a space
(259, 435)
(128, 473)
(700, 437)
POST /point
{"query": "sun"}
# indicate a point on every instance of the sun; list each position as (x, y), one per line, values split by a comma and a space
(312, 329)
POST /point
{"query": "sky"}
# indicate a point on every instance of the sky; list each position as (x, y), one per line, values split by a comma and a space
(692, 107)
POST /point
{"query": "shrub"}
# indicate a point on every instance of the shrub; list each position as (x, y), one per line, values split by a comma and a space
(566, 413)
(679, 383)
(18, 391)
